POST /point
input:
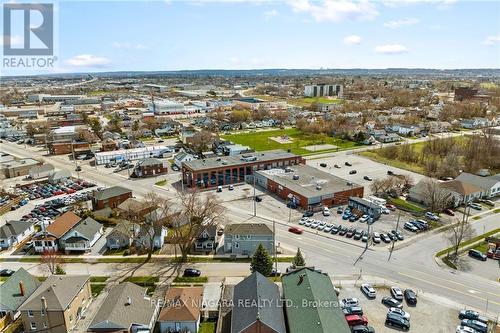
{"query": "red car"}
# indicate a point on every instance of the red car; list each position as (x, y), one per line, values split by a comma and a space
(390, 207)
(295, 230)
(354, 320)
(449, 212)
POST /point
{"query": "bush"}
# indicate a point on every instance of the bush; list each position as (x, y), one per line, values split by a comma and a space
(126, 252)
(59, 270)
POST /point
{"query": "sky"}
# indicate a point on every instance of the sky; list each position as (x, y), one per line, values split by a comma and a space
(95, 36)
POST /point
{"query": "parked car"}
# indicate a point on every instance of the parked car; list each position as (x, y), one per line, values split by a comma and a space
(295, 230)
(6, 272)
(353, 310)
(275, 272)
(488, 202)
(465, 329)
(308, 213)
(410, 226)
(376, 237)
(390, 207)
(368, 178)
(258, 199)
(477, 255)
(231, 187)
(368, 290)
(475, 324)
(397, 293)
(191, 272)
(336, 166)
(470, 314)
(395, 320)
(326, 211)
(448, 211)
(349, 302)
(352, 172)
(400, 312)
(390, 173)
(391, 302)
(385, 238)
(219, 188)
(355, 320)
(348, 164)
(362, 329)
(323, 165)
(475, 206)
(432, 216)
(410, 297)
(340, 210)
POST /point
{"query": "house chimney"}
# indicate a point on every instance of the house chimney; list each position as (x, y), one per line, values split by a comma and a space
(21, 288)
(301, 278)
(129, 301)
(44, 304)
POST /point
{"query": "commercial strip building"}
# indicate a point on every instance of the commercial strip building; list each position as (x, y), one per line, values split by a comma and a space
(16, 168)
(130, 154)
(308, 187)
(320, 90)
(227, 170)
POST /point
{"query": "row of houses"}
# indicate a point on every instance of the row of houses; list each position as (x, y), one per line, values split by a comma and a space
(463, 189)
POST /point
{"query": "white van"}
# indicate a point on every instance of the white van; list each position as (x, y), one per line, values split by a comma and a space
(326, 211)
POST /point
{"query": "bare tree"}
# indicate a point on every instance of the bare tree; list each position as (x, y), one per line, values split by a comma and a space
(201, 141)
(50, 260)
(459, 232)
(198, 213)
(149, 216)
(436, 197)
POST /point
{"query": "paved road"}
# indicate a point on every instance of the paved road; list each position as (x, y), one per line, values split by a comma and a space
(413, 265)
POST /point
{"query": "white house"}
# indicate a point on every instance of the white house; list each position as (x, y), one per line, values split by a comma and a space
(182, 157)
(14, 232)
(82, 236)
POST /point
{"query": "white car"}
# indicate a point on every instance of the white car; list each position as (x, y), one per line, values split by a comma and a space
(399, 312)
(328, 228)
(326, 211)
(303, 220)
(385, 210)
(349, 302)
(475, 206)
(397, 293)
(363, 218)
(376, 237)
(320, 227)
(368, 290)
(315, 224)
(465, 329)
(432, 216)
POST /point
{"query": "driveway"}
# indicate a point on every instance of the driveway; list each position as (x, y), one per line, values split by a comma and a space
(100, 246)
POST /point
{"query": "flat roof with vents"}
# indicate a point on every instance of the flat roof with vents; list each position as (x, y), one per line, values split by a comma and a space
(308, 181)
(237, 160)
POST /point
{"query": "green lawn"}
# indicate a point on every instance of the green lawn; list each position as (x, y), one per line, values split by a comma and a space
(161, 182)
(97, 288)
(197, 279)
(143, 280)
(307, 101)
(207, 327)
(470, 241)
(261, 141)
(401, 203)
(483, 247)
(98, 279)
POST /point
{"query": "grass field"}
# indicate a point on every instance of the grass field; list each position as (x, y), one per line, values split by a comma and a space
(307, 101)
(261, 141)
(207, 327)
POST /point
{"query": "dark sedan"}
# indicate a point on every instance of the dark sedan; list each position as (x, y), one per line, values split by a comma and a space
(391, 302)
(410, 297)
(192, 272)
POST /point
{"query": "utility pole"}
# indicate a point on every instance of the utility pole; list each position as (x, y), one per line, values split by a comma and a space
(274, 246)
(397, 226)
(254, 197)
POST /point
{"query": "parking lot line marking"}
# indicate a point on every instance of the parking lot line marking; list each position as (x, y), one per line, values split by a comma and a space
(452, 289)
(457, 283)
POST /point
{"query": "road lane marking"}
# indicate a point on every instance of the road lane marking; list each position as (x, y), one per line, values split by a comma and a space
(457, 283)
(452, 289)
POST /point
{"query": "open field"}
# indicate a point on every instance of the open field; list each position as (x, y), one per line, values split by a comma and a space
(307, 101)
(261, 140)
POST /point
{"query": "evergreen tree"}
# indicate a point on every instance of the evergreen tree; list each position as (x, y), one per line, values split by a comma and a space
(298, 260)
(261, 261)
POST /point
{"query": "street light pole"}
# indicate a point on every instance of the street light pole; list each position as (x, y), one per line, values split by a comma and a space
(254, 197)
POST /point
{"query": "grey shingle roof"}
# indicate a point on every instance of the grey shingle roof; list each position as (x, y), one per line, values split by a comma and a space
(115, 313)
(10, 294)
(58, 290)
(484, 183)
(88, 228)
(257, 298)
(248, 229)
(14, 228)
(111, 192)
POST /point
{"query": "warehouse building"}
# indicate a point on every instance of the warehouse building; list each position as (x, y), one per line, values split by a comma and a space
(227, 170)
(308, 187)
(16, 168)
(130, 154)
(150, 167)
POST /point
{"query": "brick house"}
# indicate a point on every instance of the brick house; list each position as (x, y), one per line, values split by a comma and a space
(110, 197)
(150, 167)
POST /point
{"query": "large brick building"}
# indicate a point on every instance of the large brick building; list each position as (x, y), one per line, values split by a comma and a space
(227, 170)
(308, 187)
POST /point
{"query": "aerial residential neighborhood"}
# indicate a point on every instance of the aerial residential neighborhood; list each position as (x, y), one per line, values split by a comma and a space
(312, 166)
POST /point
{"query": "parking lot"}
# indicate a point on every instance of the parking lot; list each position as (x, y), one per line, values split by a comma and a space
(426, 316)
(363, 166)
